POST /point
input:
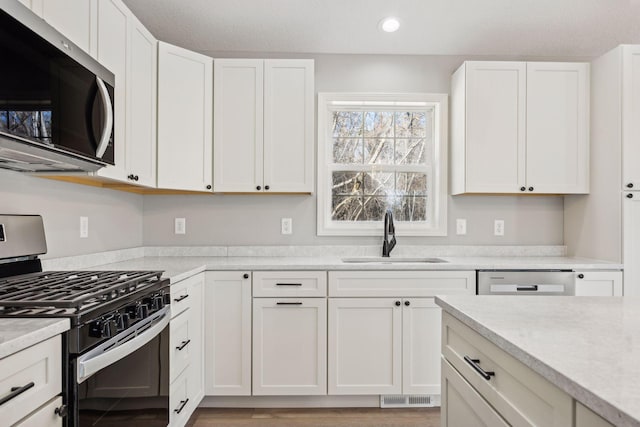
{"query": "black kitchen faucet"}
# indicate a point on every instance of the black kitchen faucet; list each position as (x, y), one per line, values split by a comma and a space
(389, 229)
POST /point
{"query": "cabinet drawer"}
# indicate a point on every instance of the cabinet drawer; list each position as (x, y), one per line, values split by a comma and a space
(400, 283)
(521, 396)
(289, 283)
(45, 416)
(181, 294)
(180, 344)
(180, 403)
(462, 406)
(41, 365)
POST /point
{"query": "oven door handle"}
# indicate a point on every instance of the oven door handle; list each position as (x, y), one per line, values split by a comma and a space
(98, 358)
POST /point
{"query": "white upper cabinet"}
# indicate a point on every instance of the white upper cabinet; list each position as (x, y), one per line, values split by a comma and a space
(185, 81)
(288, 125)
(557, 127)
(238, 130)
(520, 128)
(112, 52)
(263, 125)
(631, 117)
(73, 18)
(141, 106)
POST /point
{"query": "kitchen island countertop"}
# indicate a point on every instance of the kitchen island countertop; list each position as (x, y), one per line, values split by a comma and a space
(588, 347)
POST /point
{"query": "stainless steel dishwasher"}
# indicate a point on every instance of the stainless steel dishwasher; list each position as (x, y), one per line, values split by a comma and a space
(526, 282)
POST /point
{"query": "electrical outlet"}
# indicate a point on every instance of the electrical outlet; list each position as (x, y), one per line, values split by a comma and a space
(286, 226)
(461, 226)
(180, 226)
(84, 227)
(498, 227)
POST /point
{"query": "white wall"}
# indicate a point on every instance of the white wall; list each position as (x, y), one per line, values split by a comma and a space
(115, 218)
(244, 220)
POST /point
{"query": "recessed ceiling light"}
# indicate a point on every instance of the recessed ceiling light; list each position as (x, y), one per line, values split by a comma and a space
(389, 24)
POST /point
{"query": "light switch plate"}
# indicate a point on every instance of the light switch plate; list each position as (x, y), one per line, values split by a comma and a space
(180, 226)
(461, 226)
(84, 227)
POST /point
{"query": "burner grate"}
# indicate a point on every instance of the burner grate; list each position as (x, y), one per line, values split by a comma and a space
(65, 289)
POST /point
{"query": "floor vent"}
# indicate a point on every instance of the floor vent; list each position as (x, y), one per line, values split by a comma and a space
(409, 401)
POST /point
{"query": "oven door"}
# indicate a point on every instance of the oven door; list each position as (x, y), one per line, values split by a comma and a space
(126, 379)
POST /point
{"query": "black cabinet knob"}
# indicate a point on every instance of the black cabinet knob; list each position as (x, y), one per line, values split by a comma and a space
(407, 303)
(580, 276)
(523, 188)
(630, 185)
(245, 275)
(258, 188)
(62, 411)
(130, 176)
(136, 177)
(530, 188)
(266, 187)
(629, 196)
(208, 187)
(397, 303)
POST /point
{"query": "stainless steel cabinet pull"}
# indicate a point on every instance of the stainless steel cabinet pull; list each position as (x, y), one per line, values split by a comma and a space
(288, 303)
(183, 403)
(474, 364)
(288, 284)
(181, 298)
(15, 392)
(183, 345)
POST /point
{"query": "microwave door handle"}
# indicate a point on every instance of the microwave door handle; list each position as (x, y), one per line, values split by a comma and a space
(89, 364)
(108, 118)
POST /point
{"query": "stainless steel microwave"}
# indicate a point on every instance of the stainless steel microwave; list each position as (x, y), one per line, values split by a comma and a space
(56, 101)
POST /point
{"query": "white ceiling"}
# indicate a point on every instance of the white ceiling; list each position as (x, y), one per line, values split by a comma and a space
(429, 27)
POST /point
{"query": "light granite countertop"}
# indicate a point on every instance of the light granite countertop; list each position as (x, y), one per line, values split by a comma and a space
(19, 333)
(587, 346)
(180, 267)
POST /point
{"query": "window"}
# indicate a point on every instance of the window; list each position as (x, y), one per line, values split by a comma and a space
(378, 152)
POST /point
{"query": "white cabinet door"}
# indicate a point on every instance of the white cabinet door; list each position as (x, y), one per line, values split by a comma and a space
(238, 130)
(141, 105)
(599, 283)
(495, 126)
(557, 127)
(289, 346)
(185, 80)
(631, 250)
(112, 52)
(365, 346)
(462, 406)
(196, 334)
(288, 125)
(421, 329)
(631, 116)
(73, 18)
(228, 333)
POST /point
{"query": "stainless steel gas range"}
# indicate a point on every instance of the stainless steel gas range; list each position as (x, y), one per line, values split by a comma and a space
(116, 354)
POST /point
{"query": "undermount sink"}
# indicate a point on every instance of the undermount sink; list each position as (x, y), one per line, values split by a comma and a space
(389, 260)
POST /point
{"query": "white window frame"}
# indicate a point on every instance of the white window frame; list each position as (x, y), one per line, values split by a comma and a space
(438, 197)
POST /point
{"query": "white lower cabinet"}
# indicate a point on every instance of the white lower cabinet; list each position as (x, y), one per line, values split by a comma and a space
(46, 416)
(35, 374)
(599, 283)
(388, 345)
(289, 346)
(478, 375)
(186, 388)
(228, 333)
(365, 338)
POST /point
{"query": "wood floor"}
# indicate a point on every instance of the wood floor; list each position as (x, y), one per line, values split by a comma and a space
(335, 417)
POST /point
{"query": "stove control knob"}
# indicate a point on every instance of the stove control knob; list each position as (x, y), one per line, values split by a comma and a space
(157, 302)
(107, 329)
(144, 311)
(122, 321)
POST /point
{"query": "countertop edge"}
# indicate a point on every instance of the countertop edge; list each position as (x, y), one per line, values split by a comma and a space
(33, 337)
(585, 396)
(187, 273)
